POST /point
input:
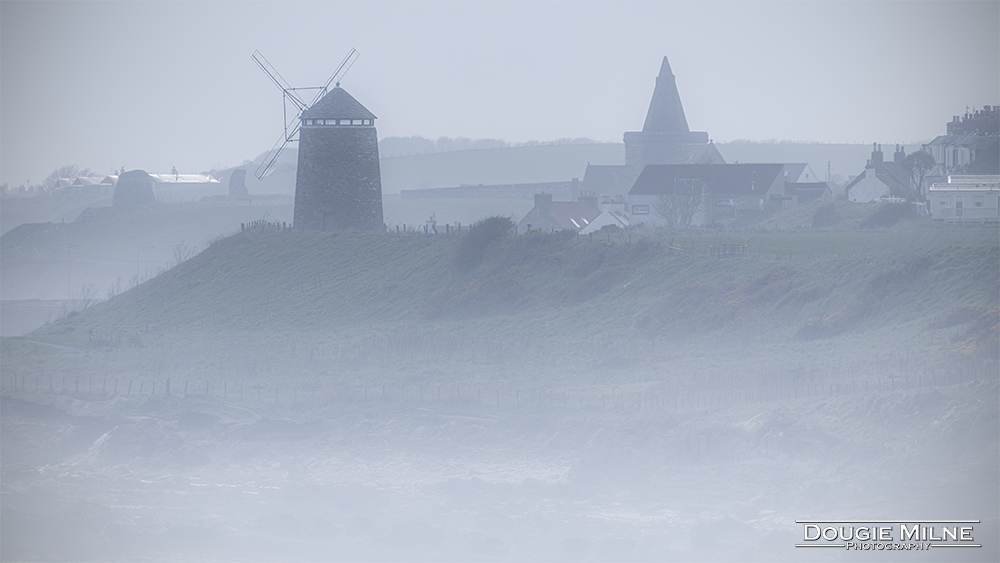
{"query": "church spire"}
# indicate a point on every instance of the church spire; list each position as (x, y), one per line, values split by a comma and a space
(665, 115)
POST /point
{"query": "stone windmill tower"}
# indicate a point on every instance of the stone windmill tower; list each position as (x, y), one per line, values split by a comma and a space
(338, 184)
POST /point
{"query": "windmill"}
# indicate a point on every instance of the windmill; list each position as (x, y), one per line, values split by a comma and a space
(293, 104)
(338, 181)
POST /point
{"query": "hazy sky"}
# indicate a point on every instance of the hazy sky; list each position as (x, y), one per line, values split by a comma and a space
(158, 84)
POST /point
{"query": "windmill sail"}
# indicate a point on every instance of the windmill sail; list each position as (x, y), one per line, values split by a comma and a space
(289, 94)
(272, 155)
(345, 66)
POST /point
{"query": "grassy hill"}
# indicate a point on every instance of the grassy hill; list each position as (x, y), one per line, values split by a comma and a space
(624, 396)
(813, 298)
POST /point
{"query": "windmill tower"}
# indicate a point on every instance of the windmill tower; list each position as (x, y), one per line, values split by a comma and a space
(338, 183)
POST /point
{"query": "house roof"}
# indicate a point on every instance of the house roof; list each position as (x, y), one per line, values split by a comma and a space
(735, 179)
(607, 179)
(337, 103)
(573, 214)
(665, 114)
(559, 215)
(183, 179)
(890, 173)
(606, 218)
(808, 191)
(975, 142)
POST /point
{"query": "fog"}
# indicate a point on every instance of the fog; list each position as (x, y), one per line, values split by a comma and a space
(193, 379)
(152, 85)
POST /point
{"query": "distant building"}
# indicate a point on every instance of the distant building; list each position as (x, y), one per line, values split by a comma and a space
(801, 193)
(971, 145)
(176, 187)
(238, 184)
(665, 139)
(134, 188)
(966, 199)
(616, 218)
(880, 179)
(566, 190)
(701, 194)
(549, 216)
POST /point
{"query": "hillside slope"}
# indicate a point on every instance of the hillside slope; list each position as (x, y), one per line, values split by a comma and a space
(285, 396)
(588, 302)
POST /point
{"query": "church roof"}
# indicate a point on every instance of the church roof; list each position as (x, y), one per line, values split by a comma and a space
(730, 179)
(665, 115)
(337, 103)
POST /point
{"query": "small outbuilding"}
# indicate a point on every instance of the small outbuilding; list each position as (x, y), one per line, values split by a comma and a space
(550, 216)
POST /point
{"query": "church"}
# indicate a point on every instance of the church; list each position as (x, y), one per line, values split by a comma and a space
(665, 139)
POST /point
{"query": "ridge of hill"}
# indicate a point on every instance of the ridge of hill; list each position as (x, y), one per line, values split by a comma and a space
(585, 301)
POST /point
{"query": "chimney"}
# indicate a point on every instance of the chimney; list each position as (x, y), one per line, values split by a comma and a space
(876, 154)
(899, 155)
(543, 203)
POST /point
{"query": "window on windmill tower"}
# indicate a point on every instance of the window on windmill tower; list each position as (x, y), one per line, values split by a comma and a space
(355, 122)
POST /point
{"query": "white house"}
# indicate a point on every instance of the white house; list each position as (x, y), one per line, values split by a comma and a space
(880, 179)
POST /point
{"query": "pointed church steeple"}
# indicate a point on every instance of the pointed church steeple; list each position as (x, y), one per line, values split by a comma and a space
(665, 115)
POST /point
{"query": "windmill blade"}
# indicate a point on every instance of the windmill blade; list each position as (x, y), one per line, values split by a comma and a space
(345, 66)
(272, 155)
(278, 80)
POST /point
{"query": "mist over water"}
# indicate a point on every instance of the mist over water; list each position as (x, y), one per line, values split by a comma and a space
(191, 377)
(485, 437)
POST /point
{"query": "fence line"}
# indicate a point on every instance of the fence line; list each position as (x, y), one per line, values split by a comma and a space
(658, 398)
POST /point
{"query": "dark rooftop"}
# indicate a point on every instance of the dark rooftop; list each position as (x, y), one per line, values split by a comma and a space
(337, 103)
(719, 178)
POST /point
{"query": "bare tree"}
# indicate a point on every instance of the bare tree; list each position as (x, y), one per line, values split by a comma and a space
(115, 288)
(65, 171)
(86, 297)
(678, 206)
(918, 164)
(181, 252)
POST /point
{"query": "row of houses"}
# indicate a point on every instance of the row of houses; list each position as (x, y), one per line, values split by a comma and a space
(682, 195)
(700, 194)
(167, 187)
(676, 177)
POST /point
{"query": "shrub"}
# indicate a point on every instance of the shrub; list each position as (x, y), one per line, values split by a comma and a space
(481, 236)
